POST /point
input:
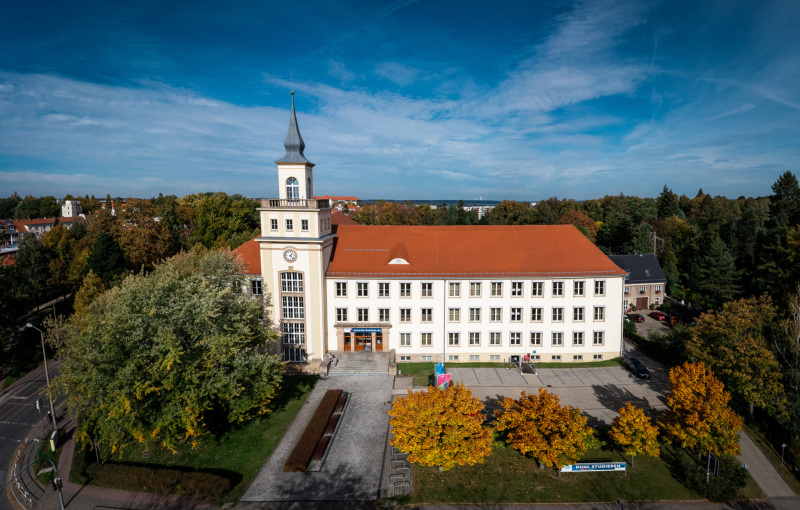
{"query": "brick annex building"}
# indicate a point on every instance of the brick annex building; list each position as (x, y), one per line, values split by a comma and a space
(459, 293)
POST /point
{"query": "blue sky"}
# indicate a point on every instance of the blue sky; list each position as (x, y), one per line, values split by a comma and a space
(407, 99)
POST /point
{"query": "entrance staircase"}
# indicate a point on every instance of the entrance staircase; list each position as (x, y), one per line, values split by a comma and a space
(360, 363)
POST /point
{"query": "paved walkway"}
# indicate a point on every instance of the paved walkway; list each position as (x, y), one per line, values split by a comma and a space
(352, 470)
(766, 476)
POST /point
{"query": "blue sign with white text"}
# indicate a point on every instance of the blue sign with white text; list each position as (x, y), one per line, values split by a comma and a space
(439, 368)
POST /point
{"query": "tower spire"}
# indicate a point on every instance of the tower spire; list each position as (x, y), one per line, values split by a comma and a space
(293, 142)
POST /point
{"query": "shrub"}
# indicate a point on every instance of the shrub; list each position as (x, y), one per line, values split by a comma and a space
(301, 455)
(721, 487)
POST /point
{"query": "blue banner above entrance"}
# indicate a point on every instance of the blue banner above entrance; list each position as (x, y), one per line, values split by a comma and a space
(365, 330)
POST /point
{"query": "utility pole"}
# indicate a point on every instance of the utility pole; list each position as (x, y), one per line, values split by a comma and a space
(46, 374)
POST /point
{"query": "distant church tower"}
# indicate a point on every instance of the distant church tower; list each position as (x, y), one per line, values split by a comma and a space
(296, 243)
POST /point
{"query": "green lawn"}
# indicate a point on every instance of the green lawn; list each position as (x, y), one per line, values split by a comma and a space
(240, 452)
(508, 477)
(423, 372)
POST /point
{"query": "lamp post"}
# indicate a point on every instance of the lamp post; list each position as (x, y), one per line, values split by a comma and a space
(783, 448)
(46, 373)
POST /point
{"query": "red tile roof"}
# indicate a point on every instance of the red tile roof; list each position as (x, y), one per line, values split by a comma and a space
(529, 250)
(251, 254)
(340, 218)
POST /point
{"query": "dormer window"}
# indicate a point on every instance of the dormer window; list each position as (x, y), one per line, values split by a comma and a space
(292, 189)
(398, 261)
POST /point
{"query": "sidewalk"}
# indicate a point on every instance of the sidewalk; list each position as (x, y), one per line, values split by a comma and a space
(766, 476)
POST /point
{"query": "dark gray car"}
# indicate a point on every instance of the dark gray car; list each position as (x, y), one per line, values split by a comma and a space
(637, 367)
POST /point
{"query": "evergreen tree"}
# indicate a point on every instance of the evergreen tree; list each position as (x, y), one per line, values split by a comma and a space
(715, 277)
(667, 203)
(106, 259)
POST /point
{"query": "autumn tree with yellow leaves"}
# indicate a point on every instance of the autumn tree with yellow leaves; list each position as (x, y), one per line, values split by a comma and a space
(540, 427)
(440, 427)
(634, 432)
(166, 357)
(698, 417)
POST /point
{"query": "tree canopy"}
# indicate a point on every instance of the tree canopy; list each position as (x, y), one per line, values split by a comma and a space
(634, 433)
(440, 427)
(168, 356)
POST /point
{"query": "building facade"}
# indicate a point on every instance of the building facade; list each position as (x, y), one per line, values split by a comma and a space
(645, 284)
(457, 293)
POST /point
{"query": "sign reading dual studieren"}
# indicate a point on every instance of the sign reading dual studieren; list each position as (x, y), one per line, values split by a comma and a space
(587, 467)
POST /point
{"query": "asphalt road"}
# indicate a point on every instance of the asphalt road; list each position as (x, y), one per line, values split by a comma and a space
(19, 418)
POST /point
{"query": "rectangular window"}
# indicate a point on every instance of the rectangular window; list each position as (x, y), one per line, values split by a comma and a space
(537, 289)
(494, 357)
(597, 357)
(627, 290)
(558, 314)
(475, 289)
(304, 225)
(341, 289)
(405, 315)
(293, 333)
(516, 289)
(600, 288)
(474, 314)
(341, 315)
(426, 340)
(516, 315)
(515, 339)
(536, 357)
(577, 357)
(474, 357)
(455, 289)
(497, 289)
(558, 289)
(577, 314)
(455, 315)
(536, 338)
(427, 358)
(642, 289)
(405, 339)
(598, 338)
(599, 313)
(558, 339)
(383, 290)
(289, 225)
(577, 288)
(577, 338)
(452, 357)
(292, 282)
(427, 290)
(495, 338)
(255, 287)
(405, 358)
(294, 355)
(536, 315)
(273, 224)
(496, 314)
(427, 315)
(363, 315)
(292, 307)
(555, 357)
(657, 288)
(474, 338)
(362, 289)
(405, 290)
(453, 339)
(383, 315)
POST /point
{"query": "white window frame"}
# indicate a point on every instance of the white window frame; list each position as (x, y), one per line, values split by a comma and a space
(341, 315)
(558, 314)
(515, 338)
(256, 287)
(474, 314)
(599, 313)
(516, 289)
(426, 315)
(362, 289)
(474, 339)
(598, 338)
(383, 315)
(341, 289)
(536, 314)
(496, 289)
(496, 314)
(383, 289)
(405, 289)
(537, 289)
(495, 338)
(453, 339)
(578, 314)
(455, 289)
(405, 315)
(304, 225)
(557, 339)
(426, 339)
(475, 289)
(558, 289)
(536, 338)
(599, 287)
(289, 225)
(426, 289)
(579, 288)
(454, 315)
(516, 314)
(273, 224)
(363, 315)
(577, 338)
(405, 339)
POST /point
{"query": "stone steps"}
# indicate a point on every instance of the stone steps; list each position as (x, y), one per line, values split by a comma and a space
(351, 364)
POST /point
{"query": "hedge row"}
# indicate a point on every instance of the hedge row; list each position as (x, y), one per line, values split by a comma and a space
(301, 455)
(205, 486)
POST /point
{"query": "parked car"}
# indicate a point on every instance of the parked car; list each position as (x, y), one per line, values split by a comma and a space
(659, 316)
(635, 317)
(637, 367)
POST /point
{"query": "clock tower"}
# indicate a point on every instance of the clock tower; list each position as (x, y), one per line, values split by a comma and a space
(296, 243)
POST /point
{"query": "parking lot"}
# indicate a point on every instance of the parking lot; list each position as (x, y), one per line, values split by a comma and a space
(598, 391)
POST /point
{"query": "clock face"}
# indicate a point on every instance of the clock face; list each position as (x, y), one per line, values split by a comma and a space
(290, 255)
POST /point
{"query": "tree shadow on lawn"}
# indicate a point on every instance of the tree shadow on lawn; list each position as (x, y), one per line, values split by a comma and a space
(291, 388)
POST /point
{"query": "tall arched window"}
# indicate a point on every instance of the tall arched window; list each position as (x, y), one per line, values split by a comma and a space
(308, 189)
(292, 189)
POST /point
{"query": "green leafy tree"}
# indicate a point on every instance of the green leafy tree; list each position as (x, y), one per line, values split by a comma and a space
(145, 240)
(734, 344)
(219, 218)
(106, 260)
(167, 357)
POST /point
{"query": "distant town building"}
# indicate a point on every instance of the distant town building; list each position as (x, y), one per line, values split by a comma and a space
(71, 208)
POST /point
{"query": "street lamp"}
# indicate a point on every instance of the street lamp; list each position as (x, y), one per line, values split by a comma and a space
(46, 373)
(783, 448)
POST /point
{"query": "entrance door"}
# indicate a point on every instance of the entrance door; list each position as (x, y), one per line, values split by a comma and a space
(378, 341)
(363, 341)
(348, 346)
(641, 303)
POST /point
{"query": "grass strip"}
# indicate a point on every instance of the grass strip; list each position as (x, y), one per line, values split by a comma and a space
(304, 449)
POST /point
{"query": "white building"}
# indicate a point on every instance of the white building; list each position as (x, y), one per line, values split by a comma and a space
(460, 293)
(71, 208)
